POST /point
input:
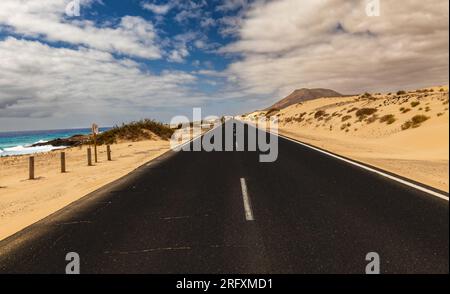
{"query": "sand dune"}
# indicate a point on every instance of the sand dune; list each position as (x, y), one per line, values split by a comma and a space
(406, 133)
(23, 202)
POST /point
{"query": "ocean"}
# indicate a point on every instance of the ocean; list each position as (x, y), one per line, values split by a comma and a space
(19, 143)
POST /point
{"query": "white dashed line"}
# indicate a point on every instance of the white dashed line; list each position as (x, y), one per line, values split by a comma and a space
(381, 173)
(394, 178)
(247, 206)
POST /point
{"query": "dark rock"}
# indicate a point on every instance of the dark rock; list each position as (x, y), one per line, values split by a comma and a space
(75, 140)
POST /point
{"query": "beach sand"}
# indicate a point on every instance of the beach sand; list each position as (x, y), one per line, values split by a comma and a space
(420, 153)
(23, 201)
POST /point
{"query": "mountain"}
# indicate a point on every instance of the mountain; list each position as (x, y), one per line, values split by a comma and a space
(302, 95)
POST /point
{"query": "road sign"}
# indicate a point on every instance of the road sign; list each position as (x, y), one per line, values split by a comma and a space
(95, 133)
(95, 129)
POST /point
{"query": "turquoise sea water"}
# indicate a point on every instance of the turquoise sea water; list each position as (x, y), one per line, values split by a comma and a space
(17, 143)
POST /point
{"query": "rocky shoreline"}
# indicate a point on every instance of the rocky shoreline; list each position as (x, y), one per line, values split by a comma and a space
(75, 140)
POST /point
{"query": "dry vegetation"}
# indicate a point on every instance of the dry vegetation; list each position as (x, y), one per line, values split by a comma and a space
(399, 131)
(136, 131)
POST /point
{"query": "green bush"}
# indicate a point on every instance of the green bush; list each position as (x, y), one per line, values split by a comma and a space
(347, 117)
(388, 118)
(415, 103)
(415, 122)
(418, 119)
(135, 131)
(407, 125)
(366, 111)
(319, 114)
(366, 95)
(372, 119)
(401, 92)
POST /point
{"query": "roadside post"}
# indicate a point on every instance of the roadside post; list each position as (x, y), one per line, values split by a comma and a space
(95, 133)
(108, 152)
(63, 162)
(31, 168)
(89, 156)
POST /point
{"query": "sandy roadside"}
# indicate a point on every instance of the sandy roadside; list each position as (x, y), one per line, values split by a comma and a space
(433, 172)
(419, 152)
(23, 202)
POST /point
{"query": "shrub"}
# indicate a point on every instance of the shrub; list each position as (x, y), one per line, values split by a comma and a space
(407, 125)
(415, 122)
(344, 126)
(372, 119)
(135, 131)
(388, 118)
(401, 92)
(365, 111)
(405, 110)
(319, 114)
(418, 119)
(347, 117)
(415, 103)
(366, 95)
(427, 109)
(352, 109)
(272, 112)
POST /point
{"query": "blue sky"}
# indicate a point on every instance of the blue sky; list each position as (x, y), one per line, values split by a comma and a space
(125, 60)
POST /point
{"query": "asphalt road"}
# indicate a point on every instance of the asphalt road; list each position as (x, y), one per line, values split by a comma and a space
(185, 213)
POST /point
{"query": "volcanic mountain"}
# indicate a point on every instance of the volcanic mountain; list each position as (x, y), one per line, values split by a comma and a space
(302, 95)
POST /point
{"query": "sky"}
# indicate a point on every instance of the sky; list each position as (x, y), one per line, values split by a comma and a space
(122, 60)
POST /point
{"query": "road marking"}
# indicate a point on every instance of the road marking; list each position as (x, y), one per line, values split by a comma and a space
(181, 145)
(394, 178)
(415, 186)
(247, 206)
(149, 250)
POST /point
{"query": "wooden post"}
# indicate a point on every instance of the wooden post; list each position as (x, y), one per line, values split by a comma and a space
(89, 156)
(95, 147)
(108, 152)
(31, 168)
(63, 162)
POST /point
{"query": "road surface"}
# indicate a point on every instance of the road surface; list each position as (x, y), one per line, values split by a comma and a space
(226, 212)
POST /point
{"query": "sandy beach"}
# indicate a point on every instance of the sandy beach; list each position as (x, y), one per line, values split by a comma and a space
(23, 201)
(382, 130)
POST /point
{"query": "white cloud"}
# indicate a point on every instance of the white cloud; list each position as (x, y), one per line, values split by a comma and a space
(37, 80)
(288, 44)
(230, 5)
(46, 19)
(230, 25)
(185, 15)
(157, 9)
(207, 22)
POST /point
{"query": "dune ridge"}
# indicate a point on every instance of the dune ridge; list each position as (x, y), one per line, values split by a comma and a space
(406, 132)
